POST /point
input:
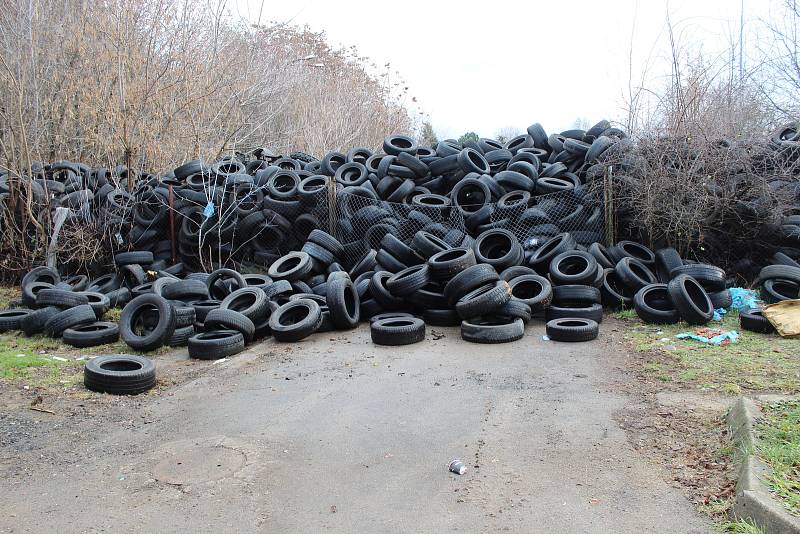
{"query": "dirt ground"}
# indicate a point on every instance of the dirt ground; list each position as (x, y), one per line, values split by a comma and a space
(338, 434)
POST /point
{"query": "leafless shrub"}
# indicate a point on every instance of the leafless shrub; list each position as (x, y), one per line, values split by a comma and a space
(149, 84)
(702, 174)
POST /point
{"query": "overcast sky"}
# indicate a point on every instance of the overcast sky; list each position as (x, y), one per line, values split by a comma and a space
(483, 66)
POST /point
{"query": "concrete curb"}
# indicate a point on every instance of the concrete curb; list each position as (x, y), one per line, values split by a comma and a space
(753, 498)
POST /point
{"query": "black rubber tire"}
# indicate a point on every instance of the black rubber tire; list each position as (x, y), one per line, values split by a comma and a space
(78, 315)
(427, 244)
(133, 275)
(220, 291)
(184, 315)
(183, 290)
(295, 320)
(34, 322)
(215, 344)
(515, 271)
(250, 301)
(615, 295)
(540, 260)
(468, 280)
(593, 312)
(498, 248)
(601, 255)
(343, 303)
(690, 299)
(781, 272)
(400, 250)
(653, 305)
(754, 321)
(444, 317)
(576, 295)
(100, 303)
(573, 268)
(139, 257)
(532, 289)
(381, 294)
(40, 274)
(119, 374)
(319, 253)
(408, 280)
(721, 299)
(149, 339)
(391, 315)
(572, 329)
(10, 319)
(91, 335)
(60, 298)
(394, 332)
(30, 290)
(775, 290)
(632, 249)
(446, 264)
(118, 298)
(105, 284)
(484, 300)
(711, 277)
(516, 309)
(634, 274)
(291, 267)
(666, 260)
(225, 319)
(492, 329)
(202, 307)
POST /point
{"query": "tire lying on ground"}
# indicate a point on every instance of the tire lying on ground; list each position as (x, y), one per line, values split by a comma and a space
(397, 331)
(215, 344)
(11, 319)
(754, 321)
(572, 329)
(493, 329)
(91, 335)
(119, 374)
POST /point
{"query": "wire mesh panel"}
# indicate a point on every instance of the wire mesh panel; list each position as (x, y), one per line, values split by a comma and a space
(361, 222)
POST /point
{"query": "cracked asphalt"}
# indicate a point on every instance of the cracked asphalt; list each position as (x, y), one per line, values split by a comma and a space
(337, 434)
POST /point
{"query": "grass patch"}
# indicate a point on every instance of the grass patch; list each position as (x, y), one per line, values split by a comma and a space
(740, 526)
(6, 294)
(778, 445)
(758, 362)
(39, 361)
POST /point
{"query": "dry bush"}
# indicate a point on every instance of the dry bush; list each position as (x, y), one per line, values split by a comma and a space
(701, 173)
(149, 84)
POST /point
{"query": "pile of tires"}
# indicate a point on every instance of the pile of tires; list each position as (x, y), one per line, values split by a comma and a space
(71, 309)
(252, 208)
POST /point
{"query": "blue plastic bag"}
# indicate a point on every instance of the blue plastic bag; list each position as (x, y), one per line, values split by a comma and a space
(732, 336)
(743, 299)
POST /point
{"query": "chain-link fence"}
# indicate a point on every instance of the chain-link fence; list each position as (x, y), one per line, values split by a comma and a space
(241, 224)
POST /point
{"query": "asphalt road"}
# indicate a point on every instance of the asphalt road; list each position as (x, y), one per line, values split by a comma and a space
(337, 434)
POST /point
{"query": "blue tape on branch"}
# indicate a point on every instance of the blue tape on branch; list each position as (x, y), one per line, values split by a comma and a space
(208, 211)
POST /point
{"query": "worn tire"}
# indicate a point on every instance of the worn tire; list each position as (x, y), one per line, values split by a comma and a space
(343, 303)
(215, 345)
(653, 305)
(394, 331)
(492, 329)
(690, 299)
(295, 320)
(119, 374)
(91, 335)
(145, 340)
(572, 329)
(225, 319)
(754, 321)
